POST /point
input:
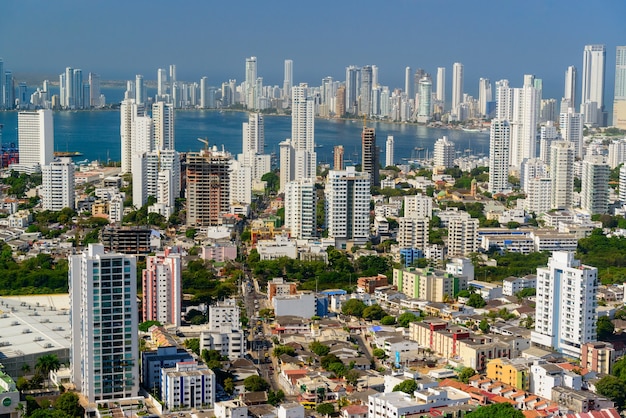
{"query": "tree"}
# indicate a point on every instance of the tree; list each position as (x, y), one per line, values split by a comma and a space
(379, 353)
(325, 409)
(69, 403)
(145, 326)
(319, 348)
(275, 398)
(613, 388)
(484, 326)
(605, 328)
(352, 377)
(279, 350)
(329, 359)
(229, 385)
(255, 383)
(476, 301)
(466, 373)
(407, 386)
(353, 307)
(193, 344)
(406, 318)
(388, 320)
(496, 410)
(373, 312)
(46, 364)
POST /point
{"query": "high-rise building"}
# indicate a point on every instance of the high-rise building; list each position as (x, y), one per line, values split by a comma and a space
(562, 174)
(594, 192)
(288, 79)
(163, 119)
(353, 82)
(254, 134)
(572, 126)
(617, 153)
(104, 316)
(57, 185)
(187, 385)
(425, 94)
(224, 332)
(418, 206)
(287, 163)
(208, 187)
(161, 82)
(547, 135)
(622, 183)
(444, 153)
(407, 82)
(300, 208)
(173, 73)
(9, 90)
(592, 97)
(35, 137)
(538, 195)
(157, 174)
(530, 169)
(441, 84)
(484, 96)
(303, 132)
(340, 101)
(140, 90)
(1, 84)
(129, 111)
(338, 153)
(389, 152)
(548, 112)
(619, 104)
(369, 158)
(570, 87)
(526, 104)
(457, 87)
(499, 141)
(365, 98)
(250, 82)
(566, 306)
(94, 91)
(347, 206)
(413, 232)
(204, 99)
(462, 235)
(162, 288)
(241, 182)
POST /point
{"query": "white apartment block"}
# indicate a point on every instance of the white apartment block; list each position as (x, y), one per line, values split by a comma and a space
(462, 236)
(290, 410)
(565, 310)
(418, 206)
(461, 267)
(532, 168)
(413, 232)
(562, 174)
(389, 151)
(539, 195)
(57, 185)
(622, 183)
(230, 343)
(544, 376)
(594, 193)
(571, 125)
(499, 143)
(240, 183)
(225, 315)
(617, 153)
(444, 153)
(104, 318)
(300, 208)
(163, 119)
(280, 246)
(512, 285)
(156, 174)
(231, 409)
(188, 385)
(302, 305)
(35, 137)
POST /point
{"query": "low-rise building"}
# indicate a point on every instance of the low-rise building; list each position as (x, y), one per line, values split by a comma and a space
(279, 287)
(545, 376)
(162, 358)
(598, 357)
(280, 246)
(188, 385)
(579, 401)
(369, 284)
(510, 372)
(512, 285)
(428, 283)
(302, 304)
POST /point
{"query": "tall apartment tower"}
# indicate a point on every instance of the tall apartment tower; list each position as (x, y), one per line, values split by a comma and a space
(407, 82)
(338, 153)
(526, 104)
(140, 90)
(441, 84)
(389, 151)
(250, 82)
(300, 208)
(594, 192)
(57, 185)
(457, 87)
(303, 132)
(569, 94)
(622, 183)
(288, 79)
(129, 111)
(484, 96)
(287, 163)
(425, 94)
(462, 236)
(592, 97)
(163, 119)
(353, 81)
(1, 84)
(444, 153)
(365, 98)
(35, 137)
(94, 91)
(254, 134)
(565, 310)
(562, 174)
(619, 104)
(340, 101)
(369, 159)
(161, 82)
(157, 174)
(347, 206)
(204, 102)
(162, 288)
(208, 187)
(499, 141)
(104, 316)
(572, 126)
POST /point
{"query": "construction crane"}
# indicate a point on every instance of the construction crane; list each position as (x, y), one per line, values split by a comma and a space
(205, 142)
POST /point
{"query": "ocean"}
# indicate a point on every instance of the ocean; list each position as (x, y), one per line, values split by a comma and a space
(96, 134)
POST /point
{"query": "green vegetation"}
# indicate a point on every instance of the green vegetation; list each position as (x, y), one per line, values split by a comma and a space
(325, 409)
(406, 318)
(279, 350)
(319, 348)
(19, 184)
(273, 182)
(466, 373)
(605, 328)
(496, 410)
(379, 353)
(388, 320)
(193, 344)
(199, 281)
(374, 312)
(511, 264)
(275, 398)
(353, 307)
(607, 254)
(476, 301)
(145, 326)
(255, 383)
(408, 386)
(613, 388)
(37, 275)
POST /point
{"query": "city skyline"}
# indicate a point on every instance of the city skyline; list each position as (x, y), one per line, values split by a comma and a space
(464, 34)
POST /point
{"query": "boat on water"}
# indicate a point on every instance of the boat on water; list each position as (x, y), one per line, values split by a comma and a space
(68, 154)
(475, 130)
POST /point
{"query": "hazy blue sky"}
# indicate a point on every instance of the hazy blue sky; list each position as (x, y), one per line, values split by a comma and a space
(492, 38)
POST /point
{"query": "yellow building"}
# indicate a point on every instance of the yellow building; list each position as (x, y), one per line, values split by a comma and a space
(509, 373)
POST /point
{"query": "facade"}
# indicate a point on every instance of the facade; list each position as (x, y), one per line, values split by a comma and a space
(153, 361)
(570, 87)
(462, 236)
(565, 312)
(594, 193)
(425, 105)
(128, 113)
(279, 287)
(127, 240)
(302, 305)
(413, 232)
(389, 149)
(571, 125)
(499, 141)
(598, 357)
(562, 174)
(526, 105)
(303, 132)
(163, 120)
(619, 104)
(156, 174)
(592, 95)
(208, 187)
(428, 284)
(338, 153)
(457, 87)
(347, 206)
(224, 332)
(512, 285)
(369, 156)
(104, 318)
(444, 153)
(35, 137)
(510, 373)
(162, 288)
(57, 185)
(300, 208)
(418, 206)
(188, 385)
(545, 376)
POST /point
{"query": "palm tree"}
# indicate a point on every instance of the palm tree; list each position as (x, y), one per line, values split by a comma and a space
(25, 368)
(46, 364)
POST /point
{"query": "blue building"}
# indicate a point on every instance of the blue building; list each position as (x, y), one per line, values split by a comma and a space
(410, 255)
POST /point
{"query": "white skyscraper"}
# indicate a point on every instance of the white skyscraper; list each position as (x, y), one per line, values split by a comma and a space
(619, 104)
(526, 104)
(425, 93)
(462, 235)
(617, 153)
(538, 195)
(254, 134)
(163, 119)
(347, 206)
(161, 82)
(104, 348)
(504, 100)
(142, 135)
(162, 288)
(547, 135)
(407, 81)
(287, 163)
(562, 174)
(418, 206)
(530, 169)
(389, 150)
(157, 174)
(457, 87)
(441, 84)
(570, 87)
(303, 132)
(288, 79)
(57, 185)
(140, 90)
(444, 153)
(353, 83)
(250, 82)
(413, 232)
(240, 183)
(499, 140)
(592, 97)
(129, 111)
(35, 137)
(572, 126)
(365, 99)
(622, 183)
(565, 309)
(484, 95)
(594, 192)
(204, 93)
(300, 208)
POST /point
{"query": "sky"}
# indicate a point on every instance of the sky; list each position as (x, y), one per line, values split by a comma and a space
(496, 39)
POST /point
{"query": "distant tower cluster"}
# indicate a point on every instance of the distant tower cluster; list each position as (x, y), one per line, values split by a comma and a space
(75, 93)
